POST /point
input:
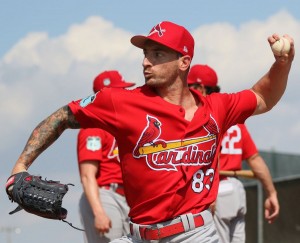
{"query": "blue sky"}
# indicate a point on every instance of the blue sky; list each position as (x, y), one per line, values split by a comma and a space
(19, 18)
(50, 52)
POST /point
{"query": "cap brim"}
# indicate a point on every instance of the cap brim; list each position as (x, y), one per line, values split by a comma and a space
(124, 85)
(139, 41)
(190, 81)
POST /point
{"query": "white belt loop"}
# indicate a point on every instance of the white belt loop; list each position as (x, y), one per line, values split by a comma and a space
(207, 216)
(190, 218)
(113, 186)
(136, 230)
(159, 225)
(185, 222)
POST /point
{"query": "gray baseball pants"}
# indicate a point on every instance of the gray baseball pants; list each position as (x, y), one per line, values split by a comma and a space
(115, 207)
(230, 211)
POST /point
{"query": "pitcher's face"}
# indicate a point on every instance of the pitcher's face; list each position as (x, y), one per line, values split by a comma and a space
(160, 64)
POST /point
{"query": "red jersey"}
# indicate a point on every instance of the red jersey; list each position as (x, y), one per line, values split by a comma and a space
(237, 145)
(169, 164)
(98, 145)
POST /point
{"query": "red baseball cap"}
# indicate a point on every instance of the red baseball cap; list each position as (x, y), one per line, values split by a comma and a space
(170, 35)
(202, 74)
(112, 79)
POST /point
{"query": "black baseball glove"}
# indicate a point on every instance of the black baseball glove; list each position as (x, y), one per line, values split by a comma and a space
(40, 197)
(37, 196)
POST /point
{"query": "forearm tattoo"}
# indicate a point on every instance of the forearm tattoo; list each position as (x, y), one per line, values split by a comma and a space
(47, 132)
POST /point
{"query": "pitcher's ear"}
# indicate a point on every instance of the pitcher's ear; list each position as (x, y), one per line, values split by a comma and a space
(184, 62)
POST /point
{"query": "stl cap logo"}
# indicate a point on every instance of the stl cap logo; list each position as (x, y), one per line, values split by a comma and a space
(157, 29)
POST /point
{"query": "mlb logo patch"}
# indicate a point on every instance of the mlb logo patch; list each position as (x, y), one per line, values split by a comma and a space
(84, 102)
(93, 143)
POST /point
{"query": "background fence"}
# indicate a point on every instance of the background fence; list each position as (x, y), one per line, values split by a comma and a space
(285, 170)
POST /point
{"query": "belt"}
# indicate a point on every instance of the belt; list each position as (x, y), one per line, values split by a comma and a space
(115, 187)
(151, 233)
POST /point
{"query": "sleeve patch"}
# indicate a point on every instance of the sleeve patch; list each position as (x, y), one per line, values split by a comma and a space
(88, 100)
(93, 143)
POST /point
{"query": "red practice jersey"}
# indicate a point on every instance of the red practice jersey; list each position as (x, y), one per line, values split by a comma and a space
(237, 145)
(169, 164)
(98, 145)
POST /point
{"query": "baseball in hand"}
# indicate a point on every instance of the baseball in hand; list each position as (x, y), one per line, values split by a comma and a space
(281, 47)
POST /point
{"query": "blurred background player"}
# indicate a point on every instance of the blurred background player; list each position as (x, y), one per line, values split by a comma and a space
(103, 208)
(204, 79)
(237, 145)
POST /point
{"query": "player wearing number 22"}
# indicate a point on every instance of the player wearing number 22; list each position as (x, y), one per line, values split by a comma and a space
(237, 146)
(168, 136)
(231, 208)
